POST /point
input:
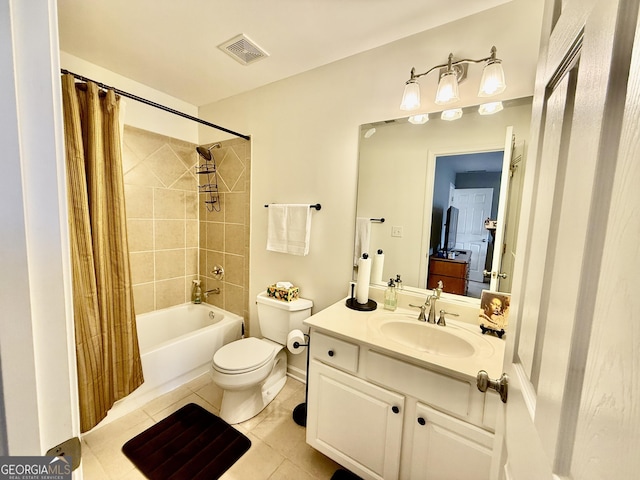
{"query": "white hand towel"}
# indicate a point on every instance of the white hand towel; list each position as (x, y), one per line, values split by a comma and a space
(289, 228)
(363, 234)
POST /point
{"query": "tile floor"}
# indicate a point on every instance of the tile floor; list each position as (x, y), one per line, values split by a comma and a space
(278, 448)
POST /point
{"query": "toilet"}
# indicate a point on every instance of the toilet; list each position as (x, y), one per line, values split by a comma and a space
(252, 371)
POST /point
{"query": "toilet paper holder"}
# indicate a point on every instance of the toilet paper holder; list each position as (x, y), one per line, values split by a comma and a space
(300, 411)
(298, 344)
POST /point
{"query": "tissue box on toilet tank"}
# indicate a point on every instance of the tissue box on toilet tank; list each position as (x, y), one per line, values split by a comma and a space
(286, 294)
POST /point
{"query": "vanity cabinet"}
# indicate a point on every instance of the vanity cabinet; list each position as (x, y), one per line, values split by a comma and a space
(444, 447)
(384, 418)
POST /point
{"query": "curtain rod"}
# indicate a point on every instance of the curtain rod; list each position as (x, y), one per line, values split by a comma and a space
(154, 104)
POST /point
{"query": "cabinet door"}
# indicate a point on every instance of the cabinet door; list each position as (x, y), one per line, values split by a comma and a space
(445, 448)
(357, 424)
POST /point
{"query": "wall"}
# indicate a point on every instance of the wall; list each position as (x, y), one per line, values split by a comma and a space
(224, 234)
(171, 236)
(162, 217)
(138, 114)
(305, 131)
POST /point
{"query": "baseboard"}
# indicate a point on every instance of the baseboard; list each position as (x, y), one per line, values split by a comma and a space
(297, 373)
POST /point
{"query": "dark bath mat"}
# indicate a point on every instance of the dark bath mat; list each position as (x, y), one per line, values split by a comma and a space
(190, 444)
(342, 474)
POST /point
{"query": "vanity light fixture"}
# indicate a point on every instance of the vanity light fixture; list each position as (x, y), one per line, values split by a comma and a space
(451, 74)
(490, 108)
(452, 114)
(419, 119)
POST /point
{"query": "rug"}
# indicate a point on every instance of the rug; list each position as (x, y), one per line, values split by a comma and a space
(342, 474)
(190, 444)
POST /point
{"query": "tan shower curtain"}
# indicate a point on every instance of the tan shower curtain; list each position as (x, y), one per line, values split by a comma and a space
(108, 357)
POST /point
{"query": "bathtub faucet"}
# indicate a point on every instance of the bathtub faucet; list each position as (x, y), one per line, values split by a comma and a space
(215, 291)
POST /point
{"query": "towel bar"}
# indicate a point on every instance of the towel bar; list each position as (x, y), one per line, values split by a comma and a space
(317, 206)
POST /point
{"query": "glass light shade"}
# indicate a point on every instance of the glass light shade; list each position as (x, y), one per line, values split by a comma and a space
(490, 108)
(447, 89)
(453, 114)
(492, 82)
(420, 119)
(411, 96)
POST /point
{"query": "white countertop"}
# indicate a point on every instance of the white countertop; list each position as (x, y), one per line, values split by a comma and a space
(360, 327)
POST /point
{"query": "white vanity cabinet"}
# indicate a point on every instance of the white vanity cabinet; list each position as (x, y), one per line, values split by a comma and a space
(384, 418)
(444, 447)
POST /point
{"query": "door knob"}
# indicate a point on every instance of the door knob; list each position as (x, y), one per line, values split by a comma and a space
(502, 275)
(500, 385)
(486, 273)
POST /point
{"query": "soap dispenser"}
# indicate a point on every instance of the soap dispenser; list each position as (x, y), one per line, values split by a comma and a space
(196, 292)
(391, 296)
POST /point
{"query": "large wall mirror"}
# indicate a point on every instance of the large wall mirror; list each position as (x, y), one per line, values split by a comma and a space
(410, 174)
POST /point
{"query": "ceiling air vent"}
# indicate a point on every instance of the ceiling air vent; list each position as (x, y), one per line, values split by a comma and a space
(242, 49)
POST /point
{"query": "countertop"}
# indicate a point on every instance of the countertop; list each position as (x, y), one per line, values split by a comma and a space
(359, 327)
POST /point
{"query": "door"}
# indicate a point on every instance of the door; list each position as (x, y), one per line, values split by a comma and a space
(503, 270)
(355, 422)
(571, 412)
(475, 207)
(497, 272)
(37, 350)
(444, 447)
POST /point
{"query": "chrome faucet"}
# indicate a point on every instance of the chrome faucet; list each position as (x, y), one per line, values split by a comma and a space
(431, 303)
(215, 291)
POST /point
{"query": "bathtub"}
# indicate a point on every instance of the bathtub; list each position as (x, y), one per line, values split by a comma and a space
(176, 346)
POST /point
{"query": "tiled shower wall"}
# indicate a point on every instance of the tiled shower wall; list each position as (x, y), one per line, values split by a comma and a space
(171, 234)
(224, 235)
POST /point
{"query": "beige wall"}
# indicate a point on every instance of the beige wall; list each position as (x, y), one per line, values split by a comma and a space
(224, 235)
(162, 217)
(172, 235)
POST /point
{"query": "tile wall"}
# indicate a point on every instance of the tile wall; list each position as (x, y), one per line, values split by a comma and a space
(224, 234)
(172, 235)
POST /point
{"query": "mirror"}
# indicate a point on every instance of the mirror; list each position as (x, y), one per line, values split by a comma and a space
(397, 182)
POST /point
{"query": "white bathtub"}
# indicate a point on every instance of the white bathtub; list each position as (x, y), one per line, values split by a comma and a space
(176, 346)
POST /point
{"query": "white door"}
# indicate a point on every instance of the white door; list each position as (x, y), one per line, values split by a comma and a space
(475, 207)
(573, 360)
(444, 447)
(37, 352)
(497, 273)
(355, 422)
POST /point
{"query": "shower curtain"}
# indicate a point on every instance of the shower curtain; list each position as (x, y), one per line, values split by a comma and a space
(108, 356)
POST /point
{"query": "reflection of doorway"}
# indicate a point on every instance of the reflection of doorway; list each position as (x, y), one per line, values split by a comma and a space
(467, 171)
(474, 206)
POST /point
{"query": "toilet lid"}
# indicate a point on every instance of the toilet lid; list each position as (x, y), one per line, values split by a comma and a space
(243, 355)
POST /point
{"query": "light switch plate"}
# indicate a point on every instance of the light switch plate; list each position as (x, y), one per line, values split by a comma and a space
(396, 231)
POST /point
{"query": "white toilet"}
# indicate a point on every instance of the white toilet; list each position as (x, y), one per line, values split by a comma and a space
(252, 371)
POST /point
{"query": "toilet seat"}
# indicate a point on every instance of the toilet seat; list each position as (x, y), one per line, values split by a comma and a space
(243, 356)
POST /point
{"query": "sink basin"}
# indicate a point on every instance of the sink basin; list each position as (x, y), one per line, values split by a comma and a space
(425, 338)
(449, 341)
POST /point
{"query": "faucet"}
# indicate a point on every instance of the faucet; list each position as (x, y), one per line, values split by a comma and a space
(215, 291)
(431, 303)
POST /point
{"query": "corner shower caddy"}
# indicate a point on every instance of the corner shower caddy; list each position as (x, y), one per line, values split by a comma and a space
(209, 169)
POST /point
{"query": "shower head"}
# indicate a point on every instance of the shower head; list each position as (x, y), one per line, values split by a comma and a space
(205, 152)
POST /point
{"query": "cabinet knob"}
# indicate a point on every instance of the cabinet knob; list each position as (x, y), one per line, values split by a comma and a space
(395, 409)
(422, 421)
(331, 353)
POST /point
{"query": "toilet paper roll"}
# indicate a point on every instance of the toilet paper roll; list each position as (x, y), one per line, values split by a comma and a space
(376, 268)
(364, 278)
(296, 337)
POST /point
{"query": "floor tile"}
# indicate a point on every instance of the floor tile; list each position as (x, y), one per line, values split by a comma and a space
(278, 448)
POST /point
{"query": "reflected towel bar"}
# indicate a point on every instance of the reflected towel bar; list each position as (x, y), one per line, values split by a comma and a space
(378, 220)
(317, 206)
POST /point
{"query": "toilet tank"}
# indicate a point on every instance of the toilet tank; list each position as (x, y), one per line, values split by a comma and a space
(278, 318)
